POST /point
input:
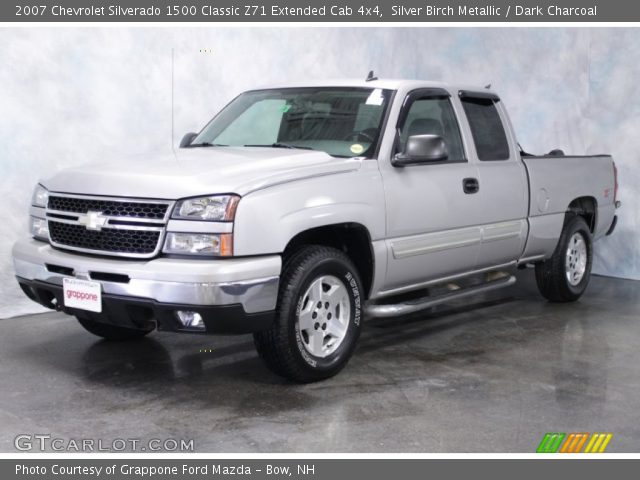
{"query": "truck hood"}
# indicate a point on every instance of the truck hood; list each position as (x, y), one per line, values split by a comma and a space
(198, 171)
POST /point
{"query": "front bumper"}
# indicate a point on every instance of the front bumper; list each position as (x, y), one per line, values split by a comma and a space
(233, 295)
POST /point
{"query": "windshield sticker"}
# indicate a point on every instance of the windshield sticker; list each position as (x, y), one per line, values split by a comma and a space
(375, 98)
(286, 107)
(357, 148)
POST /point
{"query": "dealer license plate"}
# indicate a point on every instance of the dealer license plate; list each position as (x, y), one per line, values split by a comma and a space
(82, 294)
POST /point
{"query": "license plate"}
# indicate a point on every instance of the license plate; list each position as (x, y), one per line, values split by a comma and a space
(82, 294)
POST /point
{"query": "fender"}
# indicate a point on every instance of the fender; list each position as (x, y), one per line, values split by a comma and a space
(266, 220)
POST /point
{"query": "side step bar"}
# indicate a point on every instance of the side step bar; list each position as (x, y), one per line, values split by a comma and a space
(392, 310)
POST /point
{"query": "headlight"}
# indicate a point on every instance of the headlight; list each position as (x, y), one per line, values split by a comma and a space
(40, 196)
(39, 228)
(199, 244)
(219, 208)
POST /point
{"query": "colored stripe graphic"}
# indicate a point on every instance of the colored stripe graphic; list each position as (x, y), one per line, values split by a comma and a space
(581, 442)
(574, 442)
(606, 442)
(598, 443)
(569, 444)
(543, 443)
(591, 443)
(576, 445)
(550, 443)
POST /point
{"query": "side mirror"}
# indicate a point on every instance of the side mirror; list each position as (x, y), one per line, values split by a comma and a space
(187, 139)
(422, 149)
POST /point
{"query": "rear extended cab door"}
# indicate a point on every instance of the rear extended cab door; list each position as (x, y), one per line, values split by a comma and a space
(503, 189)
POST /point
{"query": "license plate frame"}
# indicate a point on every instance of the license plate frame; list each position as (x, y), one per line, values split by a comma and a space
(82, 294)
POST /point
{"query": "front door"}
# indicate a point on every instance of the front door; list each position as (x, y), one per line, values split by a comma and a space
(432, 208)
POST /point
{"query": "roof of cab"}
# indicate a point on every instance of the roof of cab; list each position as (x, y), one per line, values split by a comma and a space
(391, 84)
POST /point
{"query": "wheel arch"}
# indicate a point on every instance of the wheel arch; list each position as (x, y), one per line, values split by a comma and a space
(352, 238)
(586, 207)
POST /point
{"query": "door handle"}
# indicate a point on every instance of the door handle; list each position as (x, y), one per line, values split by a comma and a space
(470, 185)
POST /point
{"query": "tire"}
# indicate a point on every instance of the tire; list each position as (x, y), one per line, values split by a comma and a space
(111, 332)
(318, 316)
(574, 254)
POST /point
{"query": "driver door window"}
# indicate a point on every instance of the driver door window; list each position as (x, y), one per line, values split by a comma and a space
(433, 116)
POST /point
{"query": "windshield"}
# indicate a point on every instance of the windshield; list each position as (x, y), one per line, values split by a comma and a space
(343, 122)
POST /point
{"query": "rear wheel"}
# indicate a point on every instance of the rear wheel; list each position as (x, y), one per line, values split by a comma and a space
(318, 317)
(565, 276)
(111, 332)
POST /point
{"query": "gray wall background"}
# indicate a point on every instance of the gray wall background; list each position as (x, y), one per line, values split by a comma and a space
(72, 96)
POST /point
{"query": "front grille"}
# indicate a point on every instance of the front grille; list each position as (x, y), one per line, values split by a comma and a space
(107, 225)
(136, 242)
(110, 208)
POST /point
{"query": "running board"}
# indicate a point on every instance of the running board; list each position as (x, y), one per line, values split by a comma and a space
(404, 308)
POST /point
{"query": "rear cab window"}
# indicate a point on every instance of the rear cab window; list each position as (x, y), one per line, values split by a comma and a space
(489, 136)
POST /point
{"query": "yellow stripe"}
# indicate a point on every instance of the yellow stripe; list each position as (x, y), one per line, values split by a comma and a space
(598, 442)
(605, 443)
(591, 442)
(581, 443)
(567, 442)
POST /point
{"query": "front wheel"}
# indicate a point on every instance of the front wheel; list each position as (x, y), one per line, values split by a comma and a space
(565, 276)
(318, 317)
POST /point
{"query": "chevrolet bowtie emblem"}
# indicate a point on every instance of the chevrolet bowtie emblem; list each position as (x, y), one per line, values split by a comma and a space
(93, 220)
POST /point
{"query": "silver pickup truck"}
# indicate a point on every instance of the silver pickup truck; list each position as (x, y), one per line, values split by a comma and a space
(300, 210)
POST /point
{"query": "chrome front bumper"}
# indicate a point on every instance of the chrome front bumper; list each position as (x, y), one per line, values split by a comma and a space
(250, 282)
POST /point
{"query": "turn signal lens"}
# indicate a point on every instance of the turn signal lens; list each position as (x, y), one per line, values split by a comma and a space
(39, 228)
(199, 244)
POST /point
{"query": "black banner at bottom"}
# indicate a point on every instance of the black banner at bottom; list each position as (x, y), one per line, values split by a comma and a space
(316, 469)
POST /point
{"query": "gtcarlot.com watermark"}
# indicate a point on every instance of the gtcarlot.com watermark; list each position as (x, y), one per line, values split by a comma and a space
(45, 442)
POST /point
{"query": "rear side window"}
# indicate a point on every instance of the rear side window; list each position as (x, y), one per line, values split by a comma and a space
(486, 127)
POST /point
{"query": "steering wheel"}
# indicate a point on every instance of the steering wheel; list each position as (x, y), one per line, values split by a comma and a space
(361, 133)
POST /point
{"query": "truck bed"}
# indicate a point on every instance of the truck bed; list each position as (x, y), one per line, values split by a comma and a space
(554, 181)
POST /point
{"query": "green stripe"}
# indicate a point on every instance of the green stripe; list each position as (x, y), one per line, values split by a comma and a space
(551, 442)
(556, 445)
(552, 438)
(543, 443)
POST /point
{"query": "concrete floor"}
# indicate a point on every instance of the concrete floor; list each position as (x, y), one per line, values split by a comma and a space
(488, 375)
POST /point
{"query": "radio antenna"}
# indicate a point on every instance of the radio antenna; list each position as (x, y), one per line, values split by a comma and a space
(173, 148)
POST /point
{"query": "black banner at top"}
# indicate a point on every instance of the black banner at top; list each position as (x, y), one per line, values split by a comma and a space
(377, 11)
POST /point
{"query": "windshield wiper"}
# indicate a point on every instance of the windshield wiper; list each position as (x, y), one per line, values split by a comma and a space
(282, 145)
(207, 144)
